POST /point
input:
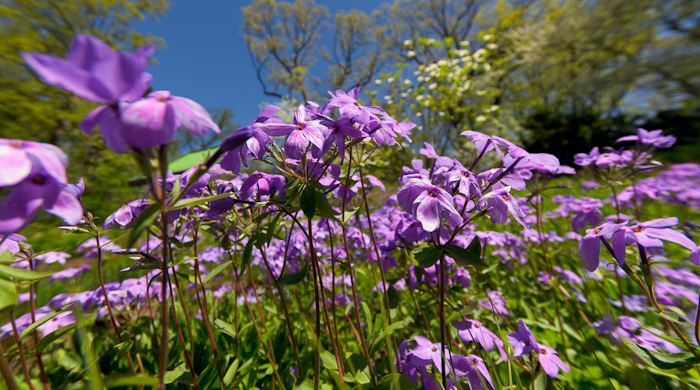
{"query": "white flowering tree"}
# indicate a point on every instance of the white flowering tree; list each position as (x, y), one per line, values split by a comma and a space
(444, 96)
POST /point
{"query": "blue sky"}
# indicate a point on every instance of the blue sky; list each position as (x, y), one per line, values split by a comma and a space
(206, 59)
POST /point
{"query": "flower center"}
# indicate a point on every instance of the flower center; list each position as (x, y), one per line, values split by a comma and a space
(162, 99)
(638, 229)
(465, 174)
(505, 197)
(596, 230)
(544, 352)
(300, 127)
(38, 180)
(432, 192)
(434, 349)
(527, 343)
(15, 143)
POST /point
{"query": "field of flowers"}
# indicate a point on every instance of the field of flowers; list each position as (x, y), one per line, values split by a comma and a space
(525, 275)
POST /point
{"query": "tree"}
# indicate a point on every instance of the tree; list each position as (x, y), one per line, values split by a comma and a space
(34, 110)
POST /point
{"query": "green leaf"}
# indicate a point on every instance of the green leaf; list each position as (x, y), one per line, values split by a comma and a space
(388, 331)
(42, 321)
(55, 335)
(290, 279)
(673, 317)
(307, 384)
(144, 220)
(662, 361)
(348, 214)
(307, 200)
(426, 256)
(467, 257)
(225, 327)
(247, 254)
(393, 296)
(189, 160)
(231, 372)
(220, 268)
(129, 380)
(6, 256)
(323, 206)
(328, 360)
(182, 377)
(8, 294)
(22, 274)
(394, 382)
(191, 202)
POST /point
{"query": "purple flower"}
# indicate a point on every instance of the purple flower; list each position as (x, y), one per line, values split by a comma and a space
(299, 135)
(550, 362)
(262, 184)
(152, 121)
(60, 321)
(11, 242)
(19, 157)
(653, 137)
(586, 159)
(53, 257)
(499, 203)
(337, 130)
(69, 273)
(589, 247)
(649, 234)
(472, 330)
(38, 191)
(351, 109)
(426, 353)
(522, 341)
(427, 203)
(474, 369)
(126, 214)
(92, 70)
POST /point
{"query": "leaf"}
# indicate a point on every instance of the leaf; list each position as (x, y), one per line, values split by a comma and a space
(182, 377)
(467, 257)
(191, 202)
(189, 160)
(129, 380)
(247, 254)
(393, 296)
(144, 220)
(426, 256)
(307, 201)
(662, 361)
(348, 214)
(394, 382)
(290, 279)
(328, 360)
(388, 331)
(22, 274)
(323, 206)
(225, 327)
(673, 317)
(6, 256)
(42, 321)
(8, 294)
(55, 335)
(231, 372)
(219, 268)
(307, 384)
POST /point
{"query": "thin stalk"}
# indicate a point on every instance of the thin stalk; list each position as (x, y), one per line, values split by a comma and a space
(35, 334)
(356, 302)
(22, 358)
(115, 325)
(205, 310)
(178, 330)
(6, 373)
